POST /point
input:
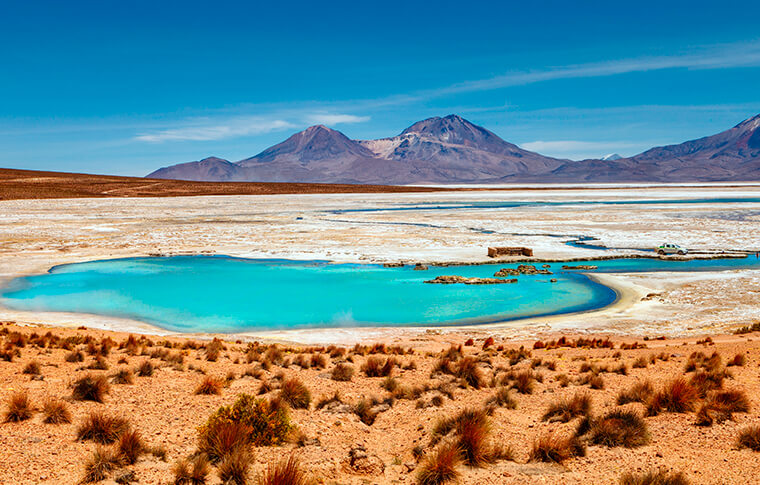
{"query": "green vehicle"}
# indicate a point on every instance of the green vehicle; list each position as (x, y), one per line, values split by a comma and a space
(669, 248)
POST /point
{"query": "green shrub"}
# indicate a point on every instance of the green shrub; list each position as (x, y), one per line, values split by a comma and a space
(267, 424)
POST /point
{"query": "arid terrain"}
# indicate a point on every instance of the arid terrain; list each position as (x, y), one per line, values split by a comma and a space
(377, 413)
(388, 405)
(32, 184)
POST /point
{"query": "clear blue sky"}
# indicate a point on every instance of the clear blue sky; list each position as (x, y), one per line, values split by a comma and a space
(127, 87)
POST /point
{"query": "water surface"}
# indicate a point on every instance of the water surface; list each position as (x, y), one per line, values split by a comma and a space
(223, 294)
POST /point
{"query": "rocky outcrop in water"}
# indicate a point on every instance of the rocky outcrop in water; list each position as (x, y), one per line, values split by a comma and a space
(453, 279)
(522, 269)
(582, 266)
(420, 267)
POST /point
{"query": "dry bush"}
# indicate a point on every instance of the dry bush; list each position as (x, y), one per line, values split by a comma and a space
(294, 392)
(145, 369)
(595, 381)
(91, 387)
(706, 381)
(32, 368)
(342, 372)
(209, 385)
(502, 398)
(524, 382)
(318, 361)
(472, 430)
(441, 466)
(363, 409)
(660, 477)
(737, 361)
(102, 428)
(467, 369)
(619, 428)
(639, 392)
(555, 448)
(678, 396)
(123, 376)
(19, 408)
(74, 356)
(191, 471)
(213, 349)
(375, 367)
(728, 402)
(226, 438)
(566, 409)
(130, 446)
(285, 472)
(55, 411)
(749, 437)
(233, 469)
(100, 465)
(98, 363)
(640, 363)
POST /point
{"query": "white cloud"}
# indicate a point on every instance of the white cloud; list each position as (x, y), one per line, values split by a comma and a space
(578, 150)
(745, 54)
(199, 131)
(334, 119)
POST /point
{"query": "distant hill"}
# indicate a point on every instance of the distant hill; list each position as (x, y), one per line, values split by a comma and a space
(453, 150)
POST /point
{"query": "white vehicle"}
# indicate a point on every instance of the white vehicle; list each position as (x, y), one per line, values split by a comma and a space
(669, 248)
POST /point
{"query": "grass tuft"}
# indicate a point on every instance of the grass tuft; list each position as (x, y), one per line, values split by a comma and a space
(554, 448)
(661, 477)
(619, 428)
(102, 428)
(91, 387)
(56, 412)
(209, 385)
(749, 437)
(441, 466)
(19, 408)
(285, 472)
(294, 392)
(100, 465)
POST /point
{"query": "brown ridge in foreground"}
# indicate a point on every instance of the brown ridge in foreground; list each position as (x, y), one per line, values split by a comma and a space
(32, 184)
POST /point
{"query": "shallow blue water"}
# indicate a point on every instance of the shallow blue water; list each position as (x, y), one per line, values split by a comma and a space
(511, 204)
(221, 294)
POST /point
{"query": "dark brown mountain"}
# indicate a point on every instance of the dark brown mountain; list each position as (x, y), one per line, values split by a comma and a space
(453, 150)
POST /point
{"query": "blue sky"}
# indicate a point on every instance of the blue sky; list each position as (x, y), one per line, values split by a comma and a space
(127, 87)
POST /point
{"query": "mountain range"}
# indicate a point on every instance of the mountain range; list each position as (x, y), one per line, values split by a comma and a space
(452, 150)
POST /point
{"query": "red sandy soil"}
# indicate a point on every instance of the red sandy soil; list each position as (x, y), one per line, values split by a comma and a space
(167, 412)
(30, 184)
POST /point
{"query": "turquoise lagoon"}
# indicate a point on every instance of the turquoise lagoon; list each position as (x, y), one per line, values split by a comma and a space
(225, 294)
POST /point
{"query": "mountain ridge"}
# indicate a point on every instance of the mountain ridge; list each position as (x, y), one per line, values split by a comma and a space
(451, 149)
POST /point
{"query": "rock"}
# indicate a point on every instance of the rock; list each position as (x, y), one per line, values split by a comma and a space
(361, 462)
(546, 265)
(521, 269)
(337, 407)
(380, 408)
(420, 267)
(553, 280)
(312, 442)
(582, 266)
(126, 476)
(452, 279)
(410, 466)
(393, 265)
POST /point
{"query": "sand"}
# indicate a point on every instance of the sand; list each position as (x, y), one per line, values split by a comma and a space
(167, 412)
